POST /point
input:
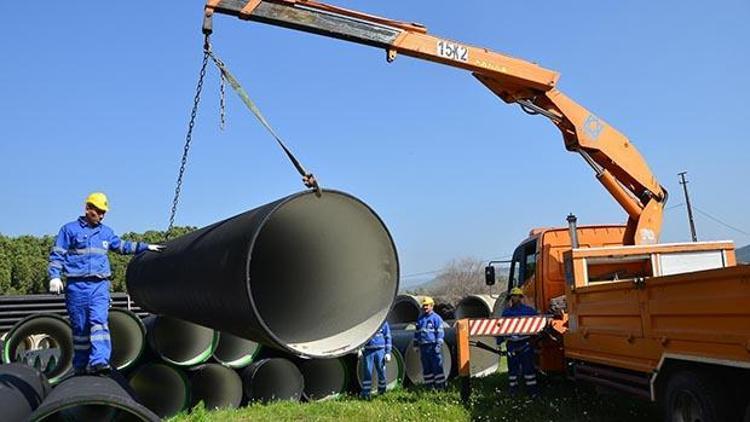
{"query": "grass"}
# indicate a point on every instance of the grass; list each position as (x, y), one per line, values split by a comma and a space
(561, 400)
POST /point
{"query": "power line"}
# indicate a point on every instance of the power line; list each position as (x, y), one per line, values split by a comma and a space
(727, 225)
(441, 269)
(674, 206)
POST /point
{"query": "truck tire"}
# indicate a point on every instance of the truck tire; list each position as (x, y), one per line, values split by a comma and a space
(694, 396)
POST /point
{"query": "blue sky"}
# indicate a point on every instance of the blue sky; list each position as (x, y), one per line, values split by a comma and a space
(96, 96)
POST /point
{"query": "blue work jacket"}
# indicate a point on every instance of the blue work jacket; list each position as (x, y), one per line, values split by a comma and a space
(80, 250)
(381, 339)
(429, 329)
(519, 310)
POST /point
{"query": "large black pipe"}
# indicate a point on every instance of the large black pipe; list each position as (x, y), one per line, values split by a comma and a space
(235, 352)
(179, 342)
(285, 275)
(163, 389)
(217, 386)
(91, 398)
(128, 334)
(272, 379)
(55, 361)
(22, 390)
(405, 309)
(324, 378)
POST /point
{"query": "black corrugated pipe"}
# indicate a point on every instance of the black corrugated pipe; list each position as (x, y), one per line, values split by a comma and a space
(395, 371)
(128, 334)
(91, 398)
(324, 378)
(55, 361)
(217, 386)
(163, 389)
(272, 379)
(22, 390)
(180, 342)
(235, 352)
(300, 256)
(283, 274)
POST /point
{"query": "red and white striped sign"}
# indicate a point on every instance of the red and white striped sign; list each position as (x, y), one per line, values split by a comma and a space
(507, 326)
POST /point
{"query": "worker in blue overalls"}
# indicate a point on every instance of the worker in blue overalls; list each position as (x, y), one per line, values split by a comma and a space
(429, 337)
(375, 354)
(80, 255)
(520, 351)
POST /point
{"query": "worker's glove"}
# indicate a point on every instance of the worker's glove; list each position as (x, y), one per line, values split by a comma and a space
(359, 353)
(156, 248)
(56, 286)
(387, 357)
(439, 348)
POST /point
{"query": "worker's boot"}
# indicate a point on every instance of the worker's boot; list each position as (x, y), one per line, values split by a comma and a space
(102, 369)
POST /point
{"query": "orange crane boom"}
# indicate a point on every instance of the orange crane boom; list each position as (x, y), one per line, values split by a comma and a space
(618, 165)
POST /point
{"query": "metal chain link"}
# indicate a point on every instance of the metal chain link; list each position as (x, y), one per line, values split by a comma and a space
(222, 101)
(188, 139)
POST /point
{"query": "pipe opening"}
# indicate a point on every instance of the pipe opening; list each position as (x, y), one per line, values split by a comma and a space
(218, 387)
(234, 351)
(324, 378)
(272, 379)
(483, 362)
(161, 388)
(474, 306)
(180, 342)
(310, 258)
(128, 337)
(56, 359)
(404, 312)
(394, 372)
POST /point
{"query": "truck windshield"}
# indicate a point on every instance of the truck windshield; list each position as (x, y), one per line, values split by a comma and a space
(523, 265)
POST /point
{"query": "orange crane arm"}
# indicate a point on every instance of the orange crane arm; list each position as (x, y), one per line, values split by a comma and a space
(618, 165)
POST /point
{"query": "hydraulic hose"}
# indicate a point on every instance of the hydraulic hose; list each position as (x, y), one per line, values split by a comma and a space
(275, 273)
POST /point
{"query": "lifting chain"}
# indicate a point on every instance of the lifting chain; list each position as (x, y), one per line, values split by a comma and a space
(189, 136)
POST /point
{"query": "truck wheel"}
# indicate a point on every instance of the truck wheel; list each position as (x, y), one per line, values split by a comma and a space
(694, 396)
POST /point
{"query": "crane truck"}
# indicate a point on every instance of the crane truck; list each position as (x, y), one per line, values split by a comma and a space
(666, 322)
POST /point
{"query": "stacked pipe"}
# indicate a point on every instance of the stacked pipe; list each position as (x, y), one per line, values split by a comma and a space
(482, 362)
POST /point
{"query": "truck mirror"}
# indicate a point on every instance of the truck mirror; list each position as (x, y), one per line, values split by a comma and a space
(489, 275)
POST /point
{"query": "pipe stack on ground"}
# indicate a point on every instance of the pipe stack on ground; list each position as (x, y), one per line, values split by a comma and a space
(324, 379)
(273, 275)
(22, 390)
(179, 342)
(481, 362)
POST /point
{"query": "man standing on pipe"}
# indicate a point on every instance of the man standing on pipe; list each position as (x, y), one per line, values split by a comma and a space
(376, 352)
(80, 254)
(429, 337)
(520, 352)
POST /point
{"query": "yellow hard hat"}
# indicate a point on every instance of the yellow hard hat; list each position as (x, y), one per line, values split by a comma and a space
(516, 291)
(427, 301)
(99, 200)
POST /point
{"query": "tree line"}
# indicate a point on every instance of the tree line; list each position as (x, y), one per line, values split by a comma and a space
(24, 260)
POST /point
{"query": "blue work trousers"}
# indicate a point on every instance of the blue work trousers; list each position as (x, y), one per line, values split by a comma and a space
(88, 309)
(373, 359)
(521, 364)
(432, 365)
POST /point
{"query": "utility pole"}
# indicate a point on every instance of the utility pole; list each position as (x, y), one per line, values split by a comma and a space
(684, 183)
